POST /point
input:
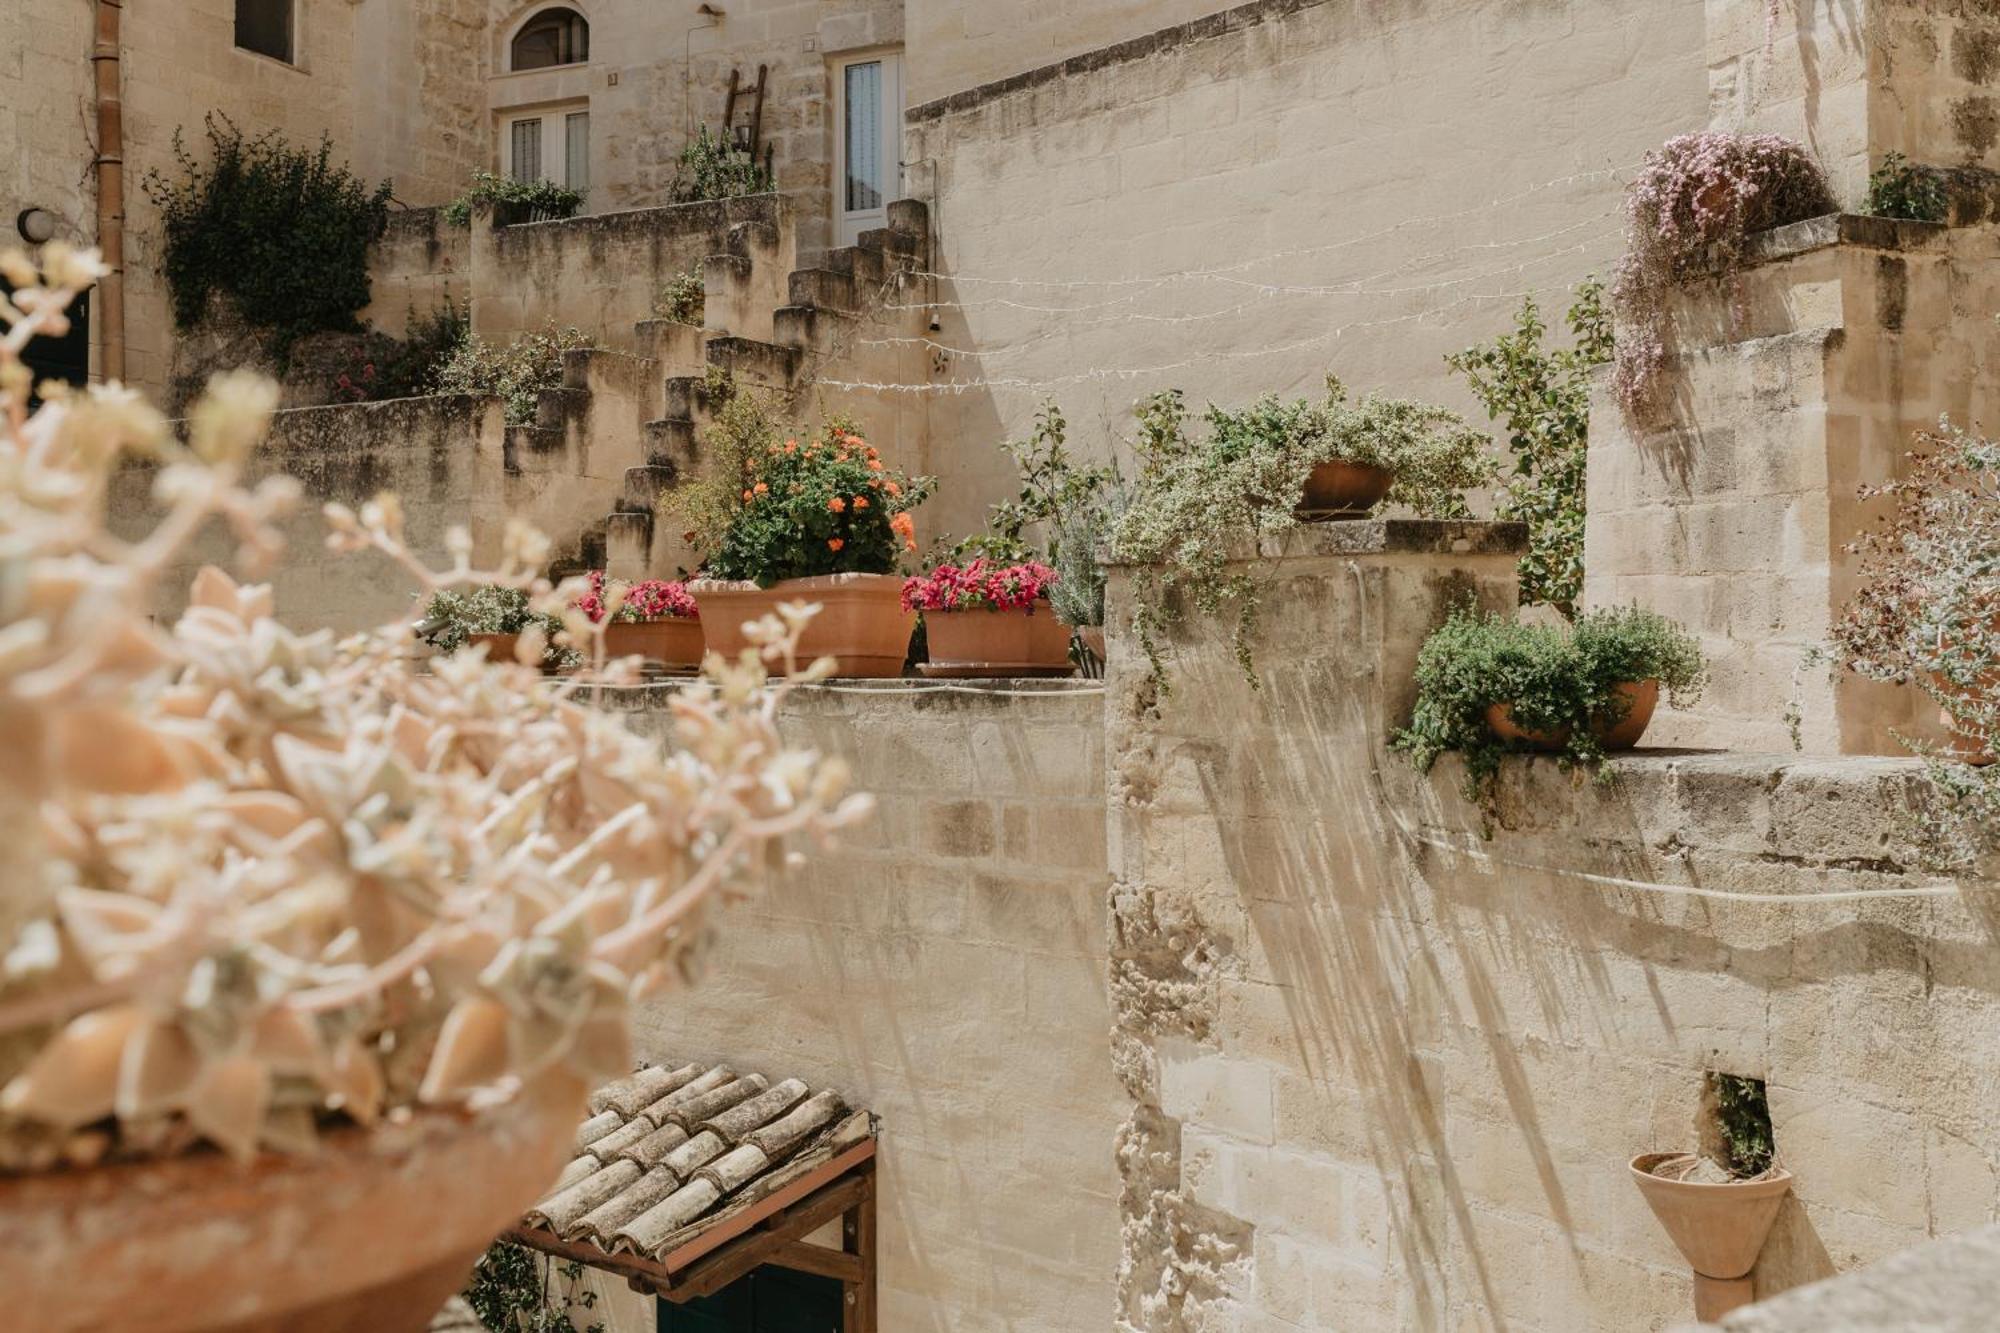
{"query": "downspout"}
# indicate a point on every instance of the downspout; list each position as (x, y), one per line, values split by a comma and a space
(110, 167)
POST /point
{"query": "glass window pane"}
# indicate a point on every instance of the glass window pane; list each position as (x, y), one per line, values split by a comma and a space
(863, 147)
(526, 160)
(552, 37)
(576, 151)
(265, 26)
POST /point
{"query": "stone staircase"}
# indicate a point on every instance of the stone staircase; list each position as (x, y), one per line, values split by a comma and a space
(767, 324)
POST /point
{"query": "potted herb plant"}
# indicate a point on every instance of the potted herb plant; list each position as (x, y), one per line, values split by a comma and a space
(495, 618)
(990, 619)
(1487, 684)
(300, 939)
(1718, 1205)
(1201, 502)
(654, 618)
(817, 520)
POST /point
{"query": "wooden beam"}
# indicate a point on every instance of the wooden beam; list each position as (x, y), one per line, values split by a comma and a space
(723, 1266)
(629, 1266)
(817, 1260)
(737, 1223)
(858, 1238)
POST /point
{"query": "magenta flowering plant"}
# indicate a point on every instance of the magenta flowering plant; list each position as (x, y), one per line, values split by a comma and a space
(649, 599)
(982, 585)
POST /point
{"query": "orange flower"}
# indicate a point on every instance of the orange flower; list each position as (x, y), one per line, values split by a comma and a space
(837, 505)
(893, 488)
(791, 446)
(746, 495)
(840, 457)
(834, 543)
(874, 465)
(760, 488)
(860, 503)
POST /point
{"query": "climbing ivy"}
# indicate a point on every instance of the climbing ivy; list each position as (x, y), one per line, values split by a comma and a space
(510, 1293)
(280, 230)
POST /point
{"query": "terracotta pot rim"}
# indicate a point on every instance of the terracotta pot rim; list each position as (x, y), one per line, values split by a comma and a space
(1776, 1180)
(696, 586)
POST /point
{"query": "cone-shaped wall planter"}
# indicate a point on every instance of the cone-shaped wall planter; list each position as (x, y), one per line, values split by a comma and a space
(1718, 1227)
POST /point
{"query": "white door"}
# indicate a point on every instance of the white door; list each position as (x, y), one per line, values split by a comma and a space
(551, 146)
(868, 142)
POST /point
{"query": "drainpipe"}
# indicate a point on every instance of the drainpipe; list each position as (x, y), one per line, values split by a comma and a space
(110, 167)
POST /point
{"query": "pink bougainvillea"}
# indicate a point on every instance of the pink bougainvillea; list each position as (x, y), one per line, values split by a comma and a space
(981, 585)
(1688, 215)
(650, 599)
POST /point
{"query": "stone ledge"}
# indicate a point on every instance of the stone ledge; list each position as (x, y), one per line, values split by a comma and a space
(1855, 229)
(1944, 1286)
(1382, 536)
(916, 694)
(714, 215)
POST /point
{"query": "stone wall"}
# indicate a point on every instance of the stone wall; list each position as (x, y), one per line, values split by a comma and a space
(1295, 187)
(421, 264)
(945, 967)
(1387, 1073)
(960, 44)
(48, 118)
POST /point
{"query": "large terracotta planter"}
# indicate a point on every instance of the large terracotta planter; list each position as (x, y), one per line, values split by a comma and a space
(861, 624)
(1719, 1228)
(1642, 698)
(996, 643)
(369, 1235)
(1343, 490)
(673, 643)
(499, 647)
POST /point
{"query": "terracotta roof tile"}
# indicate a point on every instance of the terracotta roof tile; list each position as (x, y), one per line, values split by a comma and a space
(669, 1151)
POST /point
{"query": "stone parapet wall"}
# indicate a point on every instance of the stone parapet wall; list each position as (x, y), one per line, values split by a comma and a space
(1387, 1073)
(421, 264)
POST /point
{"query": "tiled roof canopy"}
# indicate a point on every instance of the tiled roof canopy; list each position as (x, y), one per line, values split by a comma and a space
(668, 1155)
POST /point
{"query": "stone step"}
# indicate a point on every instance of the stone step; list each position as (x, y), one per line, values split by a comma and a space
(628, 545)
(823, 289)
(746, 238)
(809, 328)
(670, 442)
(689, 397)
(644, 486)
(900, 245)
(531, 449)
(864, 266)
(758, 362)
(910, 216)
(556, 408)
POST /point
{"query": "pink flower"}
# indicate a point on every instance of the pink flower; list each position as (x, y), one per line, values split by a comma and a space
(980, 585)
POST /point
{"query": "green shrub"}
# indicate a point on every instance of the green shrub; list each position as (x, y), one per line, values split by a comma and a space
(510, 1292)
(380, 367)
(1198, 501)
(280, 231)
(684, 298)
(1899, 188)
(516, 372)
(454, 614)
(539, 201)
(1743, 1119)
(1543, 396)
(711, 168)
(1555, 680)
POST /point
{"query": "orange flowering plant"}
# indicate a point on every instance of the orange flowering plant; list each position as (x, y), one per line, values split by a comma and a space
(823, 504)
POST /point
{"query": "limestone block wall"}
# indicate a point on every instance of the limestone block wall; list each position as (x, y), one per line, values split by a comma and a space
(1250, 201)
(420, 264)
(443, 458)
(961, 44)
(1386, 1073)
(1802, 378)
(946, 967)
(47, 118)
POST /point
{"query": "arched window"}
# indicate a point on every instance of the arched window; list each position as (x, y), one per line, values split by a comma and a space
(558, 36)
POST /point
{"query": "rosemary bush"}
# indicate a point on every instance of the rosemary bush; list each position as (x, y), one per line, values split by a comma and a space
(1557, 681)
(1543, 396)
(279, 230)
(544, 197)
(1689, 214)
(515, 372)
(1900, 188)
(712, 168)
(1198, 501)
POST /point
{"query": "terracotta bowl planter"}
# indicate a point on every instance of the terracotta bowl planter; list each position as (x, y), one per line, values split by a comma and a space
(996, 643)
(861, 624)
(1642, 698)
(499, 647)
(1719, 1228)
(374, 1232)
(1337, 489)
(673, 643)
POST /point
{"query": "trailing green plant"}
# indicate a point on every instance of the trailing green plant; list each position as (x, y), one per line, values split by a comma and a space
(544, 201)
(1743, 1123)
(713, 168)
(683, 298)
(511, 1292)
(1688, 215)
(280, 231)
(1079, 536)
(1926, 612)
(1542, 394)
(1900, 188)
(1557, 681)
(380, 367)
(454, 614)
(517, 373)
(1198, 503)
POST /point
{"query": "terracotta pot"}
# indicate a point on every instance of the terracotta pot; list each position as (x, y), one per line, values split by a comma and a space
(672, 642)
(1642, 696)
(1338, 489)
(997, 643)
(861, 623)
(1093, 639)
(373, 1232)
(1718, 1228)
(499, 647)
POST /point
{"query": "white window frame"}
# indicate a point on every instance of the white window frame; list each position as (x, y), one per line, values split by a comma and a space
(849, 224)
(554, 123)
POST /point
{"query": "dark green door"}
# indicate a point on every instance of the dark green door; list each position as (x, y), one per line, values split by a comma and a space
(766, 1300)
